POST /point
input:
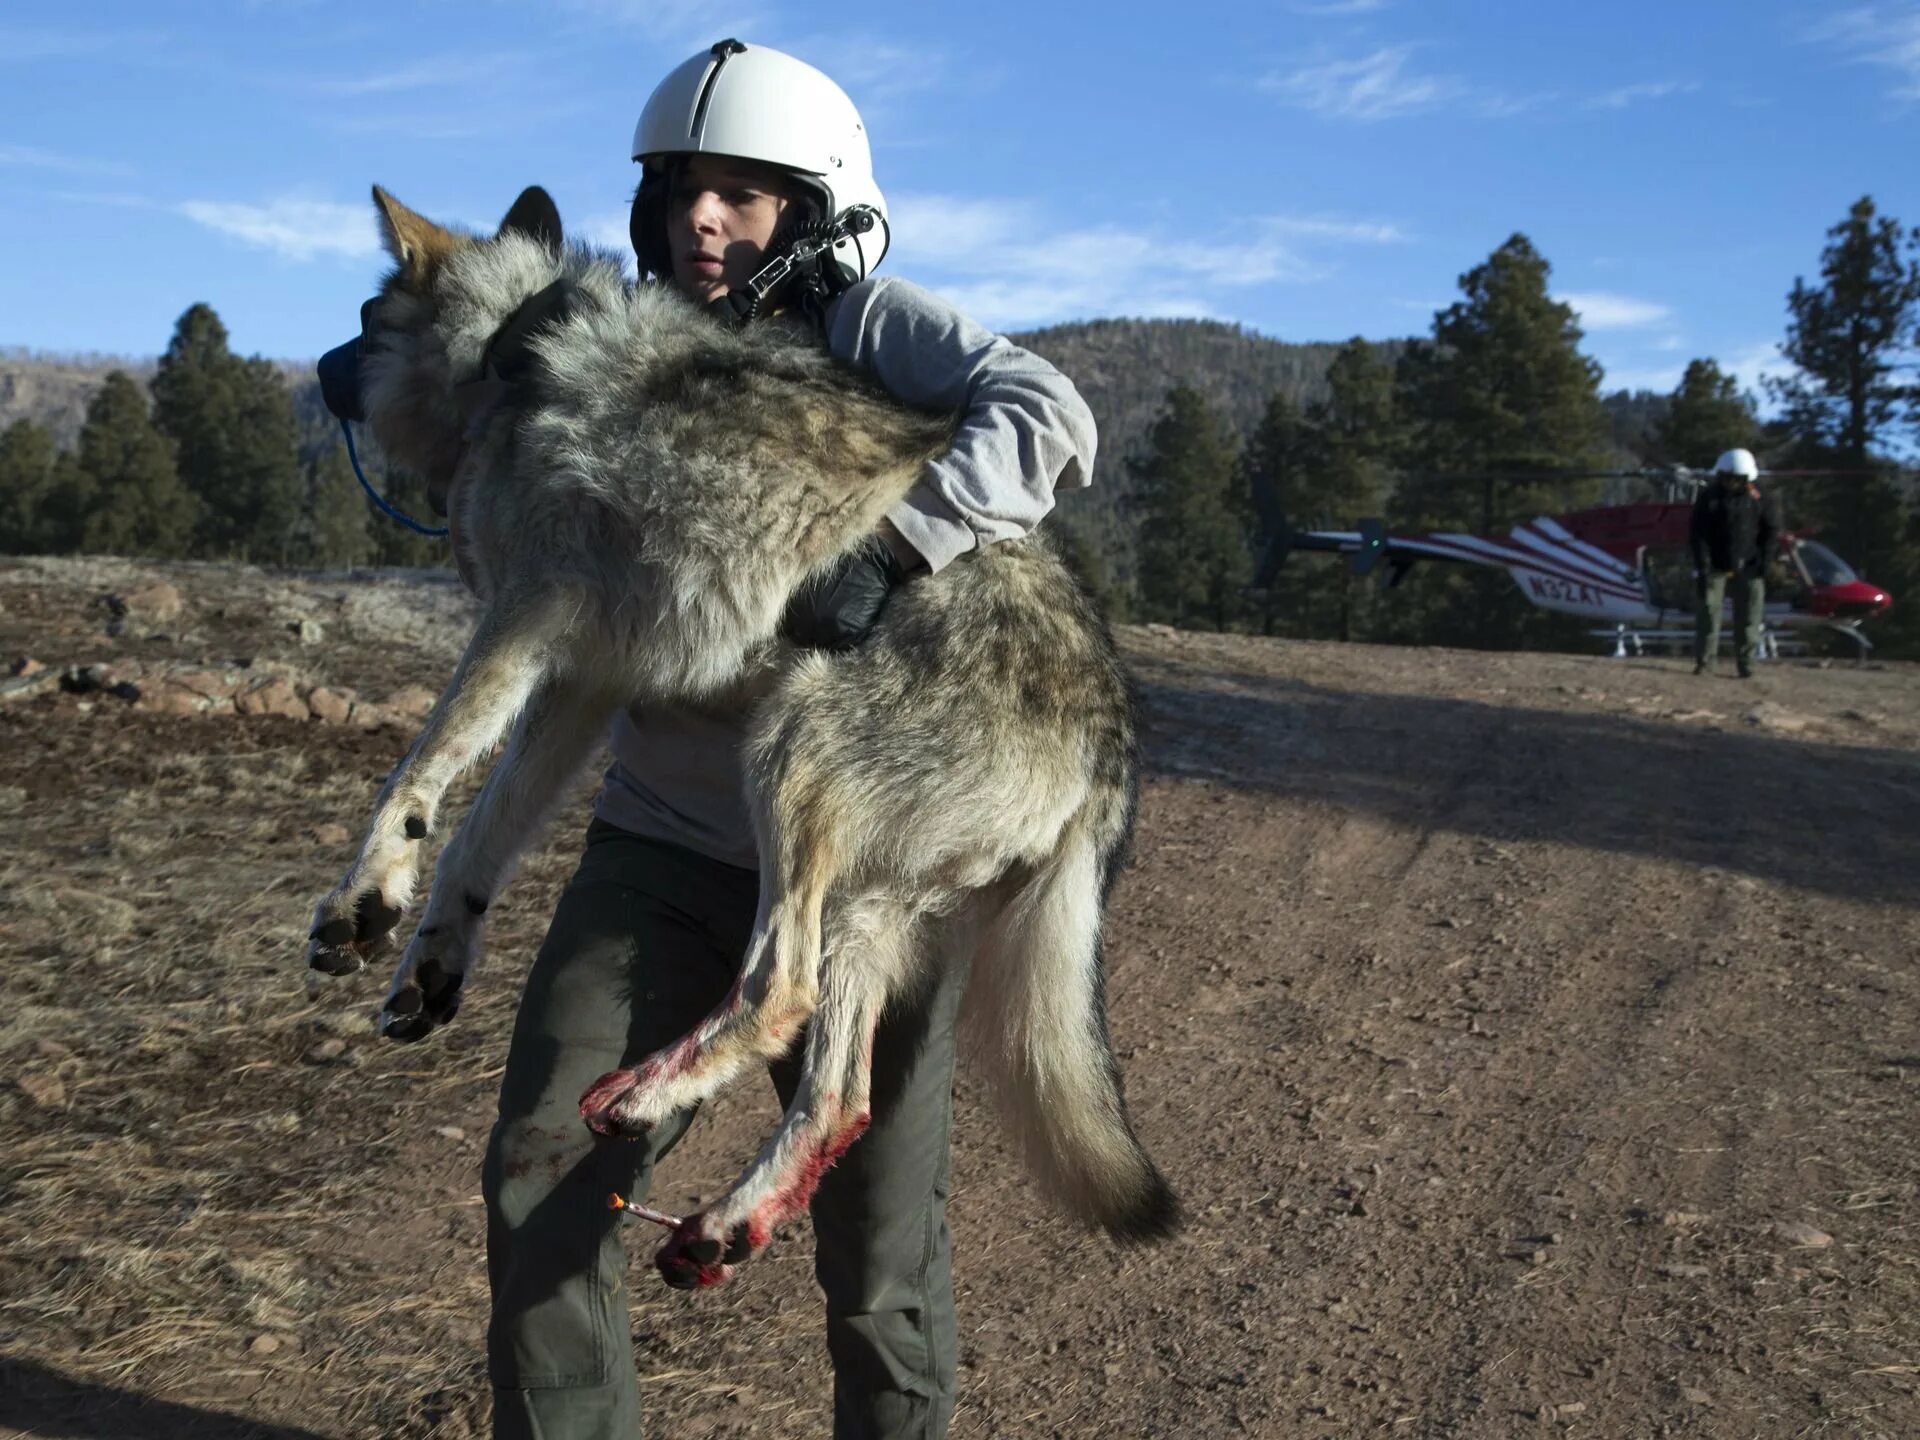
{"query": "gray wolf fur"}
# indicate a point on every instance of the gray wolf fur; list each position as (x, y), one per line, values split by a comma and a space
(957, 791)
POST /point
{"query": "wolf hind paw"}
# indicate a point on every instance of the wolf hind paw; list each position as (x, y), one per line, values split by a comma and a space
(694, 1260)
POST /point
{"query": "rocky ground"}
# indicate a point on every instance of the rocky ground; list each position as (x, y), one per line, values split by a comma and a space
(1535, 1040)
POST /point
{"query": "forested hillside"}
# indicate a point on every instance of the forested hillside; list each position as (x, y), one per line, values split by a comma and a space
(1210, 434)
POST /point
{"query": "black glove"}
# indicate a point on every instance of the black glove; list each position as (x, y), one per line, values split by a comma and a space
(836, 609)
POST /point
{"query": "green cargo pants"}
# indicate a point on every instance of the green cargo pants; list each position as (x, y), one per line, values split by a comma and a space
(1749, 609)
(646, 941)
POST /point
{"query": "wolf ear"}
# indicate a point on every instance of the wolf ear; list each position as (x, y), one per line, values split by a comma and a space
(535, 216)
(413, 240)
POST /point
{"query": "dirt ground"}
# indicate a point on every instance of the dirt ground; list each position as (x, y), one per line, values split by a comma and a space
(1534, 1039)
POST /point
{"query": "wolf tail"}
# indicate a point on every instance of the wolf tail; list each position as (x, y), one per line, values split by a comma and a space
(1037, 1010)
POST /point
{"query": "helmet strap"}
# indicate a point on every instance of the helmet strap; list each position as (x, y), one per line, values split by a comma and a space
(802, 271)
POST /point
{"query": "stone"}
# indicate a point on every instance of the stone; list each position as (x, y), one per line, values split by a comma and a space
(44, 1090)
(25, 665)
(309, 631)
(332, 833)
(325, 1052)
(273, 697)
(211, 684)
(415, 702)
(167, 698)
(1769, 716)
(329, 706)
(155, 603)
(1797, 1232)
(27, 687)
(369, 716)
(449, 1132)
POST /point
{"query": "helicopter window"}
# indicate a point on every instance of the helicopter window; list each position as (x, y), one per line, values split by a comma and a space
(1823, 567)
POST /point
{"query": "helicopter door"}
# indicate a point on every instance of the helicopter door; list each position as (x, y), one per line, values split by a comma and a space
(1669, 577)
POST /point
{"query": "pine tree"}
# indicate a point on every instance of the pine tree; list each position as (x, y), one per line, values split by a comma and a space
(1500, 393)
(1846, 335)
(198, 402)
(1194, 562)
(267, 462)
(1327, 468)
(337, 529)
(1500, 390)
(69, 499)
(137, 504)
(1706, 417)
(1271, 467)
(394, 544)
(1090, 567)
(1355, 434)
(232, 420)
(26, 473)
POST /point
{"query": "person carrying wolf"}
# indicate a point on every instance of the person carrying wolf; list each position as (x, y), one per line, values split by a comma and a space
(740, 146)
(1731, 536)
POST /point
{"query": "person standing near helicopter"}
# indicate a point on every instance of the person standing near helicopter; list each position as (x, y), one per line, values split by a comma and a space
(1731, 536)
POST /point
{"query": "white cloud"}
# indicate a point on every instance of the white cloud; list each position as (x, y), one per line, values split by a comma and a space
(1884, 35)
(1325, 227)
(433, 72)
(1625, 95)
(1002, 262)
(1757, 362)
(292, 227)
(1599, 310)
(1378, 86)
(33, 158)
(877, 72)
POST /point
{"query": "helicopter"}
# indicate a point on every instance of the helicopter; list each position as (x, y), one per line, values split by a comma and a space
(1626, 566)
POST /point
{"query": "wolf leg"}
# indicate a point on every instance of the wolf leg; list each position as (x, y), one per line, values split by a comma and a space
(512, 650)
(550, 741)
(830, 1110)
(769, 1004)
(779, 983)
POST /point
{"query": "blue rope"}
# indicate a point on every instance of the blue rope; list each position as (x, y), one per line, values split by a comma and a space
(380, 501)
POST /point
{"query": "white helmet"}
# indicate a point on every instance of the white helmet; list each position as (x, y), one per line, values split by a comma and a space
(752, 103)
(1737, 462)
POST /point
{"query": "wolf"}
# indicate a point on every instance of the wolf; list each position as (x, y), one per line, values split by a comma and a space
(635, 513)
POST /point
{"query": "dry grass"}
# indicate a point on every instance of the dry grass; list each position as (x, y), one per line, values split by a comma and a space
(1383, 1006)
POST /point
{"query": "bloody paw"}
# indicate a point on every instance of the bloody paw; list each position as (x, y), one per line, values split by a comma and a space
(692, 1261)
(598, 1102)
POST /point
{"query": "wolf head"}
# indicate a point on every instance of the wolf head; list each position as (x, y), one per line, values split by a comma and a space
(426, 331)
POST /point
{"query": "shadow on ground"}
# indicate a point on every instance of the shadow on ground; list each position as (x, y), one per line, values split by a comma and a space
(41, 1402)
(1833, 818)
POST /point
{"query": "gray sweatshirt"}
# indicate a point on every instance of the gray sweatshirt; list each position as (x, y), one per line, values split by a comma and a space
(1025, 431)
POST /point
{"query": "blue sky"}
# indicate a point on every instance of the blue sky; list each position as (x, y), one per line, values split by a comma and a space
(1314, 169)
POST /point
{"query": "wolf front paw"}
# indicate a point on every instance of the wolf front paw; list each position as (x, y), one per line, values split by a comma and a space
(350, 931)
(425, 996)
